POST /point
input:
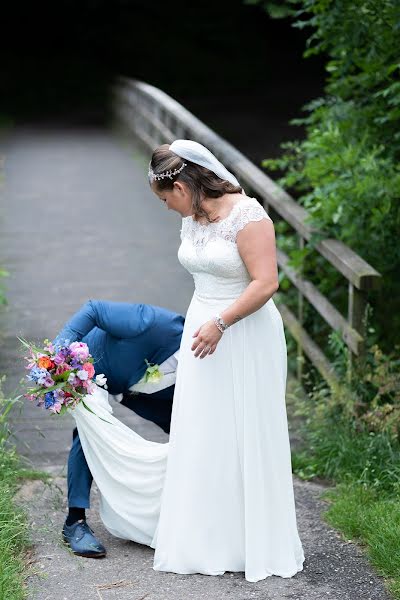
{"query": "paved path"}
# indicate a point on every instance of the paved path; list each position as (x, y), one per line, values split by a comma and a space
(79, 221)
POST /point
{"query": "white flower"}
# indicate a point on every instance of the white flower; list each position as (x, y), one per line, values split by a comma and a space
(71, 378)
(154, 376)
(83, 375)
(152, 373)
(101, 379)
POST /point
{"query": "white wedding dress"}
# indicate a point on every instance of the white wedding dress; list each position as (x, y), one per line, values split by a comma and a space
(219, 495)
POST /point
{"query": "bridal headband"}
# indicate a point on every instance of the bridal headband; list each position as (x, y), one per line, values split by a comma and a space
(199, 154)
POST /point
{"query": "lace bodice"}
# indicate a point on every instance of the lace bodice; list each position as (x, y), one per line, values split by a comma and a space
(210, 253)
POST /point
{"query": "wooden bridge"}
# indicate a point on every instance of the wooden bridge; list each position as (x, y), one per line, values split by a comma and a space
(155, 118)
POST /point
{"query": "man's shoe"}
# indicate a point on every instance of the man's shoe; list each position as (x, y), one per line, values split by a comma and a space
(82, 541)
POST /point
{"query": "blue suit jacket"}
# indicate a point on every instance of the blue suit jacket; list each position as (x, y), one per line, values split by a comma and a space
(121, 335)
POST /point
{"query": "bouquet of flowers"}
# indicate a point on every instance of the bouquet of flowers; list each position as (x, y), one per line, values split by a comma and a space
(62, 375)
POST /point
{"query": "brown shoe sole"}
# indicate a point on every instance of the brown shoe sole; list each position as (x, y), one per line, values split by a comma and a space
(99, 555)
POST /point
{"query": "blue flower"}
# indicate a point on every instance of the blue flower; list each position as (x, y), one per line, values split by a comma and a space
(61, 345)
(49, 399)
(36, 373)
(44, 378)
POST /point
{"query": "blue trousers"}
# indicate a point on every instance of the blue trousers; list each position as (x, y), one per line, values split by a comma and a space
(153, 407)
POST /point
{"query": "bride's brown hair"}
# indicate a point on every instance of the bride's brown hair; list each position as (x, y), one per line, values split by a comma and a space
(201, 181)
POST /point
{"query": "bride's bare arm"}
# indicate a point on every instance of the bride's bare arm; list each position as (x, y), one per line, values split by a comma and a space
(256, 245)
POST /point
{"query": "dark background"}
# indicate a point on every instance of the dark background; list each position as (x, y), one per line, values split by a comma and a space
(229, 63)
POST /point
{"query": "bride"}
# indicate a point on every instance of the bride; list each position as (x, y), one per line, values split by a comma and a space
(219, 495)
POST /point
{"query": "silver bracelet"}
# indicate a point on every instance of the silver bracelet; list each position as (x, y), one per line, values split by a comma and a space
(220, 323)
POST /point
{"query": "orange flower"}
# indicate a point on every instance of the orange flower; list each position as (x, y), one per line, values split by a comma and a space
(44, 362)
(89, 368)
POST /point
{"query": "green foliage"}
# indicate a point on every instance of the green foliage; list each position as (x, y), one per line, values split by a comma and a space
(276, 10)
(343, 443)
(342, 453)
(351, 436)
(352, 433)
(13, 526)
(348, 184)
(346, 171)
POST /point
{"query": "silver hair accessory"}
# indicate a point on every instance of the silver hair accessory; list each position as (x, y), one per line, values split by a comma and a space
(169, 173)
(199, 154)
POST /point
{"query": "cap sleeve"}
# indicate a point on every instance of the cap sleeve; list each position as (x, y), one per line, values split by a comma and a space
(184, 228)
(249, 211)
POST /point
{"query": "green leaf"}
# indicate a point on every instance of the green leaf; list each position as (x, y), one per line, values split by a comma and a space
(91, 411)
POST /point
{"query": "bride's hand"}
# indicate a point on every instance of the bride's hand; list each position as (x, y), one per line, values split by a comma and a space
(207, 338)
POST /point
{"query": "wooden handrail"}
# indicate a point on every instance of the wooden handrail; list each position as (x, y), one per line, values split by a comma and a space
(156, 118)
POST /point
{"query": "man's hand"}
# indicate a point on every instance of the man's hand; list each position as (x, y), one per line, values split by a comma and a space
(207, 338)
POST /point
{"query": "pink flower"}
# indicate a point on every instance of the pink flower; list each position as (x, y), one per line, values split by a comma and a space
(48, 381)
(49, 347)
(90, 369)
(58, 359)
(69, 401)
(59, 395)
(89, 385)
(79, 350)
(56, 407)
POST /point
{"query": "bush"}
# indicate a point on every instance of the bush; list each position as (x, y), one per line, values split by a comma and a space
(346, 172)
(352, 433)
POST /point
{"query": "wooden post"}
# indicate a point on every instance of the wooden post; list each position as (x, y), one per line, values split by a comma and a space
(356, 313)
(300, 316)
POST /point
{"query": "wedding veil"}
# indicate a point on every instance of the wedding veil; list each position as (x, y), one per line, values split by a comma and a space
(199, 154)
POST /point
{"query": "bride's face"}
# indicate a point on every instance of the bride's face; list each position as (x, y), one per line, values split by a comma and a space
(178, 199)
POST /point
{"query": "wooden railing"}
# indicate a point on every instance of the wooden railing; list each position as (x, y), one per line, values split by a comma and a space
(155, 118)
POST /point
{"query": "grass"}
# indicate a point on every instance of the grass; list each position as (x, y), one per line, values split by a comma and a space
(14, 539)
(337, 451)
(363, 515)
